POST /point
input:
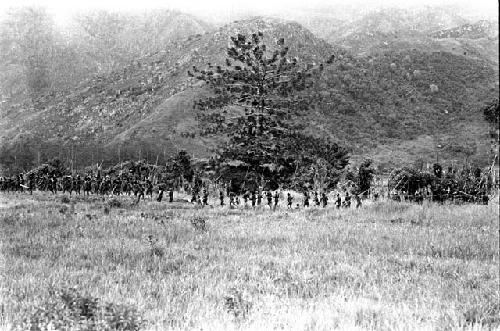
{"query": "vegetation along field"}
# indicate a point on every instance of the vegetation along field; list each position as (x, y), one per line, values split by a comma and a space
(99, 263)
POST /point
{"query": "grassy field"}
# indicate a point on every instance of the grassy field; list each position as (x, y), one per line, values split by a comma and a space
(101, 263)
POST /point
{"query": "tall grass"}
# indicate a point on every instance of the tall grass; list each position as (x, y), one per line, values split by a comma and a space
(384, 266)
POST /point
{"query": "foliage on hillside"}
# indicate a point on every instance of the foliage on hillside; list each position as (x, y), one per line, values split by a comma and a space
(492, 113)
(465, 184)
(398, 96)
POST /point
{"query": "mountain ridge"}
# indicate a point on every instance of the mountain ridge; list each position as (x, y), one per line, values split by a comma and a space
(143, 109)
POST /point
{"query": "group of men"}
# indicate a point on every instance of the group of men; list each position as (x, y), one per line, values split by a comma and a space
(142, 187)
(272, 199)
(89, 184)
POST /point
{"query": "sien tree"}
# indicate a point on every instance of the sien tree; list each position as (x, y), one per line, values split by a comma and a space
(259, 97)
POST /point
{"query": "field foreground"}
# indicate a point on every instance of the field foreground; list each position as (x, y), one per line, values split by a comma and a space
(102, 263)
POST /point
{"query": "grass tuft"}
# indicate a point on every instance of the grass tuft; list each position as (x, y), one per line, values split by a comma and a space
(68, 309)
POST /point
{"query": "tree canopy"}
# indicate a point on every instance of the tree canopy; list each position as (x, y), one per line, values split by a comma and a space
(259, 96)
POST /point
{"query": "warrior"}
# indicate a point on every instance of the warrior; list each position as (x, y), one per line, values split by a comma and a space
(171, 195)
(306, 199)
(289, 199)
(117, 186)
(324, 199)
(269, 197)
(67, 184)
(316, 199)
(140, 192)
(53, 184)
(77, 184)
(253, 198)
(149, 188)
(221, 197)
(31, 182)
(160, 194)
(231, 199)
(347, 200)
(358, 200)
(161, 191)
(205, 197)
(338, 201)
(276, 199)
(246, 195)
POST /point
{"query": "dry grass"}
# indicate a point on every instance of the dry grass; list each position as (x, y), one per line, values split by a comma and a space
(385, 266)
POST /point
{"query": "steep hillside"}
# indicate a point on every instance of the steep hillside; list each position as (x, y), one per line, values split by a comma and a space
(54, 58)
(105, 106)
(396, 106)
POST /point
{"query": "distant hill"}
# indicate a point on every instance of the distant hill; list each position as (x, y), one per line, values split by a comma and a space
(54, 58)
(395, 106)
(400, 22)
(481, 29)
(430, 29)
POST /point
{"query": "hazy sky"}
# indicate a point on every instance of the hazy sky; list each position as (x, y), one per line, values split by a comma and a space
(226, 9)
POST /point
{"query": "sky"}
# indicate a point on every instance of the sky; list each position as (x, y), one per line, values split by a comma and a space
(227, 9)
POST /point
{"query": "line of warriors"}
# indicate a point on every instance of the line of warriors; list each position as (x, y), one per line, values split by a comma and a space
(142, 187)
(272, 199)
(105, 185)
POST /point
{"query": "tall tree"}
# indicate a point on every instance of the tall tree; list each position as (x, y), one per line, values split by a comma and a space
(258, 95)
(365, 177)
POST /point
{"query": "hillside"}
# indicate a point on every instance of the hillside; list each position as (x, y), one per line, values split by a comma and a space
(394, 22)
(103, 107)
(380, 105)
(431, 29)
(481, 29)
(56, 58)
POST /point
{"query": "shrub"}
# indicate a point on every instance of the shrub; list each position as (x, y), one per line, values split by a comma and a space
(199, 224)
(115, 203)
(70, 310)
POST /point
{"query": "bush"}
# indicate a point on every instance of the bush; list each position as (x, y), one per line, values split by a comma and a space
(70, 310)
(115, 203)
